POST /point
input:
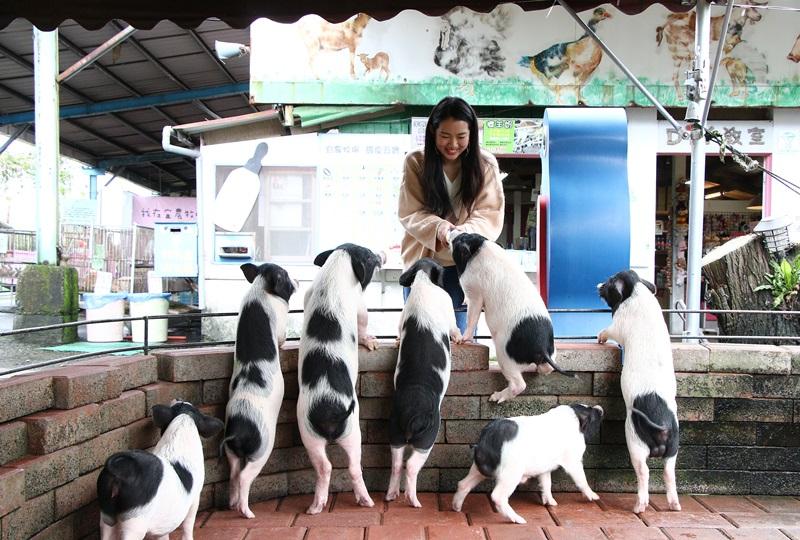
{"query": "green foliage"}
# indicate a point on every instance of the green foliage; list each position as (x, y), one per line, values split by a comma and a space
(783, 282)
(16, 170)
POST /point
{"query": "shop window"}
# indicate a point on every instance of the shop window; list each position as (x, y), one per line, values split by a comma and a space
(290, 207)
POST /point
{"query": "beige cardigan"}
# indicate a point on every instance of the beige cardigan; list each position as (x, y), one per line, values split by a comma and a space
(420, 225)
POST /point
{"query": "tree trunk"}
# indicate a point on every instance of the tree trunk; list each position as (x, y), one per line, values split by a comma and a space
(731, 272)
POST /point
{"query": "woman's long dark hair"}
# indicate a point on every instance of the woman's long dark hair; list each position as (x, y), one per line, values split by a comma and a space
(437, 201)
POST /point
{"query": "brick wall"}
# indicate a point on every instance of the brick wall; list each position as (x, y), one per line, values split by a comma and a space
(739, 408)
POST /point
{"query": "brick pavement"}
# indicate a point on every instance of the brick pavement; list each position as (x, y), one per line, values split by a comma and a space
(712, 517)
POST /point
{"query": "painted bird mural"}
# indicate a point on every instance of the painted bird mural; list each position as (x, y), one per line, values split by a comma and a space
(570, 63)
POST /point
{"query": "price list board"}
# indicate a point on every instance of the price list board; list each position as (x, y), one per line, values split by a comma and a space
(359, 181)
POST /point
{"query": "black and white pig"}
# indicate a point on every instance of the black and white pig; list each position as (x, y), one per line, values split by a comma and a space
(256, 387)
(515, 313)
(512, 450)
(427, 326)
(152, 494)
(648, 379)
(334, 324)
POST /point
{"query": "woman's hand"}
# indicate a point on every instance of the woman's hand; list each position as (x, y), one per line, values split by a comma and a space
(442, 232)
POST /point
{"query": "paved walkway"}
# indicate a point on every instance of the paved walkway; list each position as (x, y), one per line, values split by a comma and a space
(704, 517)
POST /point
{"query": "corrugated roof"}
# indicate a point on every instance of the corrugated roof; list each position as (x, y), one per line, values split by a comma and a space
(146, 14)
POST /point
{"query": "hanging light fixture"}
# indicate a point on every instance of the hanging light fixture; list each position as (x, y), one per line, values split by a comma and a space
(775, 231)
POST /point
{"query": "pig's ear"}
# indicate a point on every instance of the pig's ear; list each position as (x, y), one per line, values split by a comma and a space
(250, 271)
(589, 419)
(279, 283)
(648, 285)
(208, 426)
(162, 416)
(407, 277)
(322, 257)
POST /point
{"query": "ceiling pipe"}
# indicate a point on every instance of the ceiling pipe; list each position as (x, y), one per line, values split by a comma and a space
(166, 143)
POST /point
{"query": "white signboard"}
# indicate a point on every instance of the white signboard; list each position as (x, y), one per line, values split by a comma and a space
(79, 211)
(751, 137)
(359, 182)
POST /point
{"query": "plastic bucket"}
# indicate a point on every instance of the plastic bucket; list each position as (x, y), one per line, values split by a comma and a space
(146, 304)
(104, 306)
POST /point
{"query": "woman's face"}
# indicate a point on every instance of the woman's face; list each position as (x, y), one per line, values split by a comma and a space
(452, 138)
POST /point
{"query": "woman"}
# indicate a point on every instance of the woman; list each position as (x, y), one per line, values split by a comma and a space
(450, 184)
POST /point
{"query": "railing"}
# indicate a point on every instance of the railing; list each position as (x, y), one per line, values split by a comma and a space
(146, 347)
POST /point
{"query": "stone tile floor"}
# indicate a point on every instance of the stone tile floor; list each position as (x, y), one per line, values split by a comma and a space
(704, 517)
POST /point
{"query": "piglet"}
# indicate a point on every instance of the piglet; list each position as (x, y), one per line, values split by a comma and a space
(334, 324)
(512, 450)
(152, 494)
(427, 325)
(256, 387)
(515, 313)
(647, 380)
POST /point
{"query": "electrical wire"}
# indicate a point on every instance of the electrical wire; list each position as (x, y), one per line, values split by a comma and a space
(745, 161)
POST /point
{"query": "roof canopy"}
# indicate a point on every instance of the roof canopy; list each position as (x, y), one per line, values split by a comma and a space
(145, 14)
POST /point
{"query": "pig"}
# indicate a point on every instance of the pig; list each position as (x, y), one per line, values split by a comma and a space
(512, 450)
(334, 324)
(152, 494)
(515, 313)
(256, 387)
(647, 381)
(427, 326)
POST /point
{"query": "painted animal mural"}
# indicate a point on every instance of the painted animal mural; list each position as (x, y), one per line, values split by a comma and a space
(679, 30)
(794, 53)
(469, 43)
(378, 62)
(570, 63)
(319, 36)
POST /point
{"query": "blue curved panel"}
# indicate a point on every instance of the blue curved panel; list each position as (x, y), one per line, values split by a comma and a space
(585, 177)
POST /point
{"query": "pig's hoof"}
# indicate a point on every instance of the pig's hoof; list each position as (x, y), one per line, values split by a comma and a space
(499, 397)
(517, 519)
(639, 507)
(549, 501)
(246, 513)
(413, 501)
(391, 495)
(369, 342)
(675, 506)
(315, 508)
(365, 500)
(456, 506)
(591, 495)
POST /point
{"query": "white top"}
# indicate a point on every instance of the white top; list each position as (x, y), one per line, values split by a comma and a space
(453, 189)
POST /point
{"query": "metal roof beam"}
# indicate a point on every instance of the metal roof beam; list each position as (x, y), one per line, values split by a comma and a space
(130, 104)
(116, 78)
(155, 61)
(95, 55)
(150, 157)
(124, 148)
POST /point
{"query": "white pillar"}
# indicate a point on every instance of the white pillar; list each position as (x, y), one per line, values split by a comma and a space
(786, 163)
(45, 61)
(642, 149)
(698, 168)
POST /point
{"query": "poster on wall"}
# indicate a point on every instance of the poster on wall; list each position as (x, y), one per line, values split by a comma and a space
(509, 56)
(497, 135)
(149, 210)
(359, 181)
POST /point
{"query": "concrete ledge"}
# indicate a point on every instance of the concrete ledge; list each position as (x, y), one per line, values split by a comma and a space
(739, 412)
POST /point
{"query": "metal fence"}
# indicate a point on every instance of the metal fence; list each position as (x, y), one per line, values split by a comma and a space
(17, 249)
(146, 346)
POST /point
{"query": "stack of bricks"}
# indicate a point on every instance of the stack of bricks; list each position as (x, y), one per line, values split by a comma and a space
(739, 408)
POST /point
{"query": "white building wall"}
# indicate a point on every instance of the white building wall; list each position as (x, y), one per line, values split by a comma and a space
(642, 143)
(786, 163)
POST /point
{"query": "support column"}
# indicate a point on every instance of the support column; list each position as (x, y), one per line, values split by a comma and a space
(45, 61)
(697, 100)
